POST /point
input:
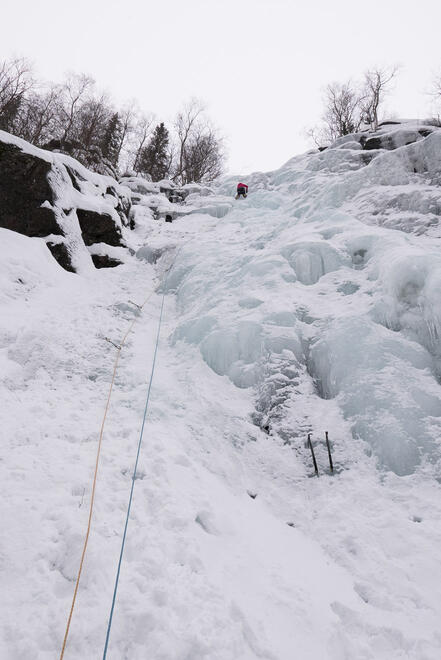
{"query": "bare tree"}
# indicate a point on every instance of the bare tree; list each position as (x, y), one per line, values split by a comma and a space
(37, 117)
(15, 81)
(342, 110)
(204, 156)
(435, 90)
(376, 82)
(185, 124)
(435, 93)
(199, 149)
(93, 116)
(74, 92)
(318, 135)
(73, 117)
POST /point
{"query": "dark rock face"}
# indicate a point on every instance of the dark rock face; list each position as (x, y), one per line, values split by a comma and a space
(62, 255)
(67, 147)
(73, 178)
(23, 189)
(374, 143)
(122, 207)
(104, 261)
(98, 228)
(110, 190)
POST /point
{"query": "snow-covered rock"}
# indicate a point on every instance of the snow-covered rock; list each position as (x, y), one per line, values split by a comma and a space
(54, 197)
(389, 135)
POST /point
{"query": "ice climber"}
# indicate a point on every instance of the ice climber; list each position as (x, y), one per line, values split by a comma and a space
(242, 190)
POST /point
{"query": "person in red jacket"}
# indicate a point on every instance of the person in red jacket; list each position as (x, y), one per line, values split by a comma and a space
(242, 190)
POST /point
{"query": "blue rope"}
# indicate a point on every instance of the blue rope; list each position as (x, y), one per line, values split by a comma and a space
(109, 625)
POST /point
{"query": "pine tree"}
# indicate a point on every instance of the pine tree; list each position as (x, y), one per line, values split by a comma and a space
(154, 158)
(111, 141)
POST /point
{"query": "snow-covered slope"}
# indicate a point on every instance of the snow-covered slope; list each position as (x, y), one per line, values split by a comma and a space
(311, 306)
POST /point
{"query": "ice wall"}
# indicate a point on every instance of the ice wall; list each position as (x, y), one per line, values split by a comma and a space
(324, 285)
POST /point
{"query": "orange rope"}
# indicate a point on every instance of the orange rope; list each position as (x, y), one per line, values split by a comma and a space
(92, 499)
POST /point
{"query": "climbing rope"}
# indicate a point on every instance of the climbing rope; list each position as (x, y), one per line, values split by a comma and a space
(109, 624)
(119, 348)
(92, 499)
(138, 450)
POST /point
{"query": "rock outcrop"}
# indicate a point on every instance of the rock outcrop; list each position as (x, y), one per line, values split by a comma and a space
(52, 196)
(390, 135)
(26, 196)
(98, 228)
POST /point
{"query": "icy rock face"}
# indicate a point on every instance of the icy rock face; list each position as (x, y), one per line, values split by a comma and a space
(311, 260)
(235, 352)
(54, 197)
(412, 300)
(384, 384)
(321, 291)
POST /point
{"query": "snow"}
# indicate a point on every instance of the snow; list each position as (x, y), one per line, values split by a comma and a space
(298, 310)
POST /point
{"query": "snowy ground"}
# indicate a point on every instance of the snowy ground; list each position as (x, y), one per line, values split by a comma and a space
(306, 308)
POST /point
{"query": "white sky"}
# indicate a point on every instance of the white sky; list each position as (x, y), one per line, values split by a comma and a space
(260, 65)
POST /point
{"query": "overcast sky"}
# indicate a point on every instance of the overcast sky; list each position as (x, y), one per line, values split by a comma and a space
(260, 65)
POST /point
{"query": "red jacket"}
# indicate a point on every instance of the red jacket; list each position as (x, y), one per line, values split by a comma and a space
(242, 185)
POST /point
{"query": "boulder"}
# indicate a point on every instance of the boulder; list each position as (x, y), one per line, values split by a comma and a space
(104, 261)
(98, 228)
